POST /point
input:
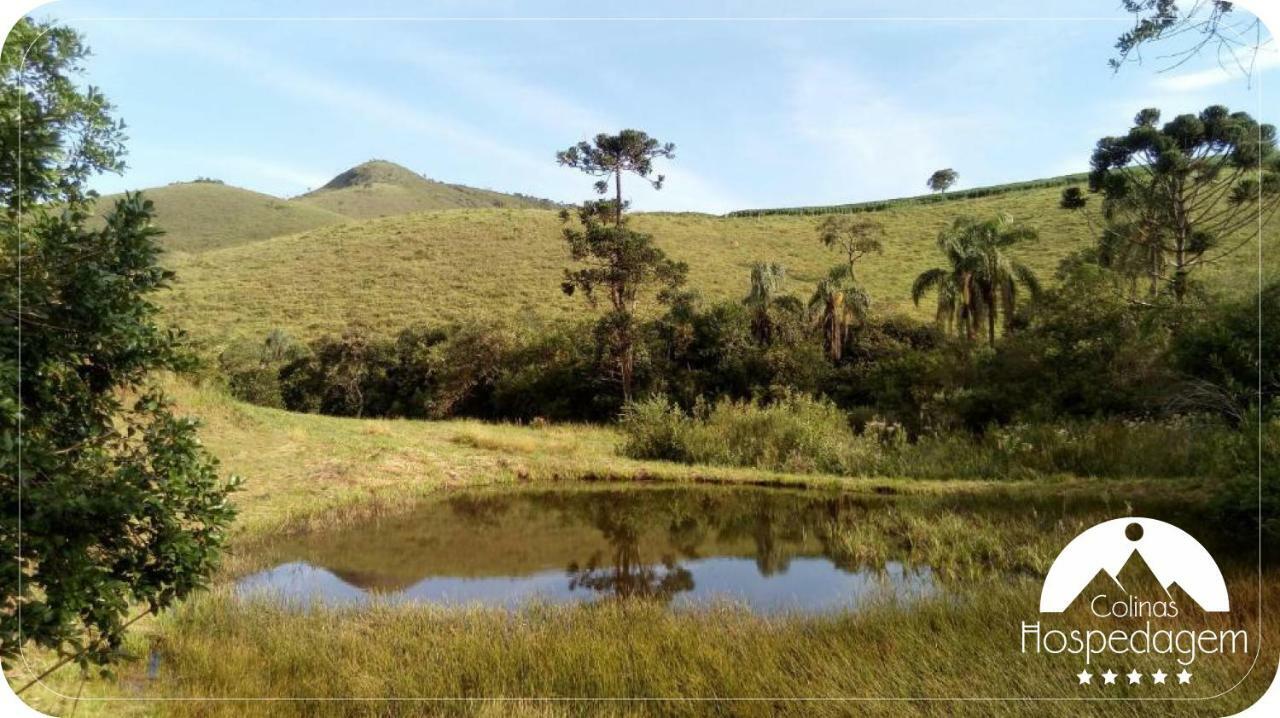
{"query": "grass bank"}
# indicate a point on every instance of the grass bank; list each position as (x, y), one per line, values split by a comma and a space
(722, 660)
(306, 471)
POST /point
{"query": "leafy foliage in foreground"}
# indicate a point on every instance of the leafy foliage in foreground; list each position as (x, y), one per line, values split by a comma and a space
(119, 504)
(107, 499)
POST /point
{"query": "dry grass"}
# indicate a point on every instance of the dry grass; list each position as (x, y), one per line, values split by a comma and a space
(721, 660)
(506, 265)
(378, 188)
(199, 216)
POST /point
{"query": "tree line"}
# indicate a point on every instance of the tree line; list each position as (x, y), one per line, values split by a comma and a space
(1110, 337)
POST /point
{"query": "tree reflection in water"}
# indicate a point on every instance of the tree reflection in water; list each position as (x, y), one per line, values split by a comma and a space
(627, 575)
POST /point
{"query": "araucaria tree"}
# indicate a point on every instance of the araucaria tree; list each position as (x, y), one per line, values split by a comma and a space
(980, 281)
(611, 156)
(110, 505)
(942, 180)
(1234, 36)
(1177, 197)
(620, 263)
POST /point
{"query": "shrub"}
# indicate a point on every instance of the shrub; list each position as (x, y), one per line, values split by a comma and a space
(554, 375)
(801, 434)
(1221, 356)
(795, 433)
(1240, 503)
(655, 429)
(252, 369)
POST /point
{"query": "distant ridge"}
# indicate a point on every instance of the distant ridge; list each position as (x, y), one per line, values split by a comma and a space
(880, 205)
(206, 214)
(379, 188)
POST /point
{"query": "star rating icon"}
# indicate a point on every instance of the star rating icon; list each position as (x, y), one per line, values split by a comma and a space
(1135, 677)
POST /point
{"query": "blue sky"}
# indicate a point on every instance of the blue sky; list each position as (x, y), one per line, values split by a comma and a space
(837, 102)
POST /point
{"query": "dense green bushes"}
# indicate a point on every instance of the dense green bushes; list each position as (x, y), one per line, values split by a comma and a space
(1081, 352)
(427, 372)
(1084, 382)
(800, 434)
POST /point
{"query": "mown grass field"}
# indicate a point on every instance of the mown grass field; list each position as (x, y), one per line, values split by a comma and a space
(505, 265)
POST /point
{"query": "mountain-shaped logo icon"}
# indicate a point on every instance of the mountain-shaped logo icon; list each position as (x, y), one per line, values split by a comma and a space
(1135, 550)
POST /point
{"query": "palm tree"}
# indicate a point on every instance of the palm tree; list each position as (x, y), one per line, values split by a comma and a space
(981, 281)
(836, 303)
(955, 306)
(766, 279)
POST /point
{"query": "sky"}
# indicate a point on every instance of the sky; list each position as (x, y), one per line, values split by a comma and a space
(768, 103)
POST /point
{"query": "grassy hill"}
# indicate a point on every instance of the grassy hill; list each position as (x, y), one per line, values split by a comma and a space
(378, 188)
(199, 216)
(502, 264)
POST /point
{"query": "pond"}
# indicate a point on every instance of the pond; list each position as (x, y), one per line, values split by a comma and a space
(771, 550)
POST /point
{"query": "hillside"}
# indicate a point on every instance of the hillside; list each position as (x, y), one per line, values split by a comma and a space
(199, 216)
(378, 188)
(501, 264)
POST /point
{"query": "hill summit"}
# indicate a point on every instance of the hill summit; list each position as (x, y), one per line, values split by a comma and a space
(376, 172)
(379, 188)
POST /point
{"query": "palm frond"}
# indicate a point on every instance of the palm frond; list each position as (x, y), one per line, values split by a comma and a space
(928, 280)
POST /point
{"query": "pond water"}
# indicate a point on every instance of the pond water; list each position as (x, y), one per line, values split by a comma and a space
(772, 550)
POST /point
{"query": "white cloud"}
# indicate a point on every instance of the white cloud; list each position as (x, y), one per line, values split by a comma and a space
(534, 172)
(1266, 59)
(506, 92)
(278, 74)
(686, 190)
(683, 191)
(871, 143)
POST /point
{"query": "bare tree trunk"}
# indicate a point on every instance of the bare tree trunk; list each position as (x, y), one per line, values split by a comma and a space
(626, 363)
(617, 183)
(1181, 238)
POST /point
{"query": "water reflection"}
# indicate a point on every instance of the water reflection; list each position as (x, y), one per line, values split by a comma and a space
(771, 550)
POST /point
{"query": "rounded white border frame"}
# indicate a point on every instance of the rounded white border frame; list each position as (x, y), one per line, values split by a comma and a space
(1267, 11)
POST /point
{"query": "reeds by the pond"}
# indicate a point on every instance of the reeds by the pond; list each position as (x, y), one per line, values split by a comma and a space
(614, 657)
